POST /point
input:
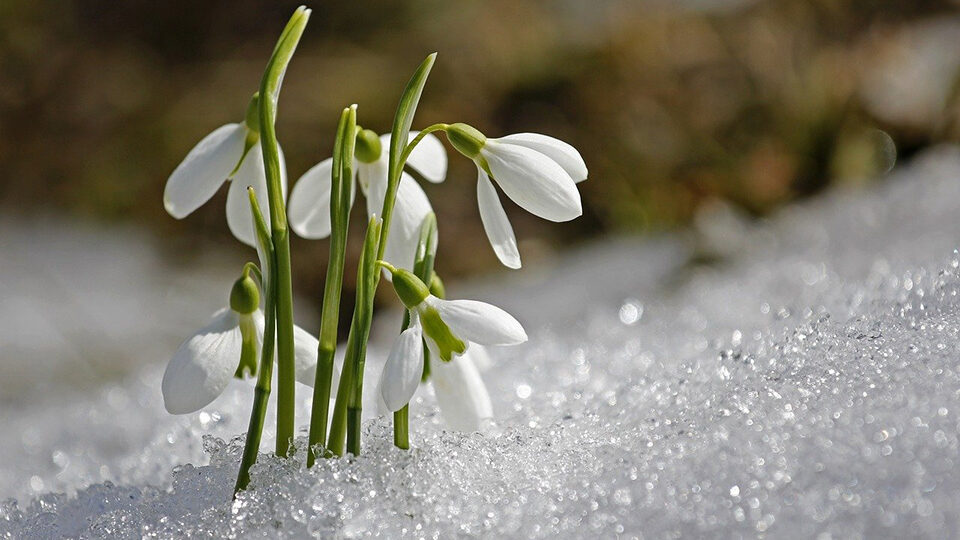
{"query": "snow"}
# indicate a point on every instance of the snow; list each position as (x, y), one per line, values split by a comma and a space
(794, 378)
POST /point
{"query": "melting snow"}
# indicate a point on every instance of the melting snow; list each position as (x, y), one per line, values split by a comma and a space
(805, 383)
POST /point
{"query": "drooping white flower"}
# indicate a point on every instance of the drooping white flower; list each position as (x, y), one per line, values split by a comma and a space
(449, 327)
(217, 159)
(309, 208)
(461, 394)
(203, 365)
(536, 171)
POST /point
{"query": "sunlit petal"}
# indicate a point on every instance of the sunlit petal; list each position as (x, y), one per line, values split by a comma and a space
(429, 157)
(533, 181)
(479, 322)
(305, 355)
(495, 222)
(309, 208)
(564, 154)
(409, 211)
(403, 369)
(461, 395)
(251, 173)
(204, 170)
(203, 365)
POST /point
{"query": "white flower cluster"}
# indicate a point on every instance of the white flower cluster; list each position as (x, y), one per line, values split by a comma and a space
(537, 172)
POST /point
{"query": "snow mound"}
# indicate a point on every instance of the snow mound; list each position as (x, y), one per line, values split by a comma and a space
(802, 384)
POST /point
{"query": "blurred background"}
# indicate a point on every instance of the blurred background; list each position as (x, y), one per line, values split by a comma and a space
(678, 107)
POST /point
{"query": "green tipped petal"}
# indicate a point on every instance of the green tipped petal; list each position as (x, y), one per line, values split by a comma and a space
(438, 331)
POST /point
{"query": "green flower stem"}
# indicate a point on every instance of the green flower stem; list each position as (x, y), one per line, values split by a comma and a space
(343, 150)
(250, 268)
(338, 426)
(348, 407)
(283, 282)
(367, 278)
(401, 428)
(416, 140)
(423, 268)
(261, 394)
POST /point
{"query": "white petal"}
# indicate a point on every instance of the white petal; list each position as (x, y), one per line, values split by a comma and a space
(403, 369)
(409, 211)
(373, 174)
(463, 398)
(305, 356)
(203, 365)
(479, 322)
(204, 170)
(309, 208)
(480, 357)
(533, 181)
(564, 154)
(495, 222)
(251, 173)
(382, 409)
(429, 157)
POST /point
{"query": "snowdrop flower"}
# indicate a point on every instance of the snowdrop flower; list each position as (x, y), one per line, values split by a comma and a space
(449, 326)
(461, 394)
(228, 346)
(537, 172)
(231, 152)
(309, 208)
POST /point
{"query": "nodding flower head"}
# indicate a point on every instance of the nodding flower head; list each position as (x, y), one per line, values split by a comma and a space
(230, 153)
(309, 208)
(227, 347)
(536, 171)
(449, 326)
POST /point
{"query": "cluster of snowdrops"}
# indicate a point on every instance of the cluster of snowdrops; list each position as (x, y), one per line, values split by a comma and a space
(441, 341)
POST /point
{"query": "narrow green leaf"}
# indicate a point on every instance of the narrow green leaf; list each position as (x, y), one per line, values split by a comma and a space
(405, 112)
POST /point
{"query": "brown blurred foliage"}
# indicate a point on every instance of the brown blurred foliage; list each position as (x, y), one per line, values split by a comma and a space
(671, 103)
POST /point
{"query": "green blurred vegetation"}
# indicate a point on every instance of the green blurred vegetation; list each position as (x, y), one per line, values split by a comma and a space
(673, 104)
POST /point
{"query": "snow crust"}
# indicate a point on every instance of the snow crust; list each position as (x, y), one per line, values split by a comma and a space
(797, 378)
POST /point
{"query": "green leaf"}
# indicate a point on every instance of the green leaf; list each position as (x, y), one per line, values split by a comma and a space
(407, 108)
(269, 93)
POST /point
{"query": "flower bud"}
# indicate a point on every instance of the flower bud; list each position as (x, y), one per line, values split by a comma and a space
(245, 296)
(411, 290)
(466, 139)
(368, 147)
(436, 286)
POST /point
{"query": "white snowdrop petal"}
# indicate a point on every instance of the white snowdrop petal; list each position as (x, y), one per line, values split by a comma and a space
(461, 395)
(382, 409)
(403, 369)
(309, 208)
(480, 357)
(203, 365)
(204, 170)
(372, 178)
(429, 157)
(533, 181)
(564, 154)
(495, 222)
(409, 211)
(305, 356)
(479, 322)
(251, 173)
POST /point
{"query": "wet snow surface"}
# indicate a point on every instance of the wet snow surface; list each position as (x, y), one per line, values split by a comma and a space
(803, 384)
